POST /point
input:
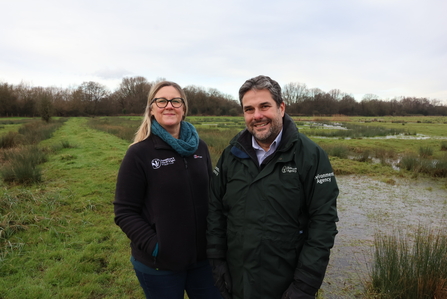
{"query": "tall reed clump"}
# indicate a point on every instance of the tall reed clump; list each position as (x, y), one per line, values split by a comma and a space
(425, 151)
(435, 168)
(407, 268)
(22, 165)
(10, 139)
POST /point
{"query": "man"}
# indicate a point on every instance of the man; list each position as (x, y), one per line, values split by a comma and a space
(272, 212)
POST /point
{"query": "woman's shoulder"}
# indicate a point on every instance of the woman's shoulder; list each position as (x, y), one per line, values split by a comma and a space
(142, 145)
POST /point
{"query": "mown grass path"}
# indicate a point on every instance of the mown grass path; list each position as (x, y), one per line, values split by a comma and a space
(68, 245)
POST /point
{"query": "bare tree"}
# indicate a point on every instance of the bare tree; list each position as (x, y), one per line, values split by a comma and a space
(92, 93)
(336, 94)
(8, 100)
(294, 92)
(45, 106)
(132, 94)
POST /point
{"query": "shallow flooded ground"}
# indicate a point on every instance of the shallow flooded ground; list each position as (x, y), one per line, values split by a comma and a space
(367, 206)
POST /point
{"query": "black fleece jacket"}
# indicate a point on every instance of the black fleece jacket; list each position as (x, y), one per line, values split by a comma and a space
(162, 197)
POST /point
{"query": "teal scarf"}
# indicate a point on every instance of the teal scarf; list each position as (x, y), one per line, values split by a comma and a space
(188, 141)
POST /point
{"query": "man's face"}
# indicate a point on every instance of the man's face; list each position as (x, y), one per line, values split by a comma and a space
(263, 117)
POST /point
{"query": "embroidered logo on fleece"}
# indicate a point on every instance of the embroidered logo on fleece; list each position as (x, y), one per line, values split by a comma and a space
(157, 163)
(324, 178)
(197, 157)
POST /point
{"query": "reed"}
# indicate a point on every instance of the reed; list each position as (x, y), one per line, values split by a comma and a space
(425, 151)
(22, 165)
(10, 139)
(406, 267)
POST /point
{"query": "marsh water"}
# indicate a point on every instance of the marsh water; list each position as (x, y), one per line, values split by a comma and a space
(367, 207)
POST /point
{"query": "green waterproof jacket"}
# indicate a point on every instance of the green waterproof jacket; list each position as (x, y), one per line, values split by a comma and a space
(274, 222)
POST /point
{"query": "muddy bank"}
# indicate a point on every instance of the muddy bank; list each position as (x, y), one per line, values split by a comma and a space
(367, 206)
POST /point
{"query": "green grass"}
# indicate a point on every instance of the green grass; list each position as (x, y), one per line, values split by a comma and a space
(58, 238)
(123, 128)
(12, 124)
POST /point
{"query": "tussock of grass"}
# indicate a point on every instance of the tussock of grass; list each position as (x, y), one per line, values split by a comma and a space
(10, 139)
(415, 164)
(22, 165)
(425, 151)
(336, 150)
(407, 268)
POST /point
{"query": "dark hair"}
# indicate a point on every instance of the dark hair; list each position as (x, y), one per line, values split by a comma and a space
(262, 82)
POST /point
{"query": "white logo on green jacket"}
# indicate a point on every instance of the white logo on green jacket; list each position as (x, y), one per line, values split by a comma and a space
(324, 178)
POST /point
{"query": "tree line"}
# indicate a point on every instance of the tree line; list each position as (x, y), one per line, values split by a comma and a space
(301, 100)
(130, 98)
(94, 99)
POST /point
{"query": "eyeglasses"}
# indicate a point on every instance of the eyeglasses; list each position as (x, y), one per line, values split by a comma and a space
(163, 103)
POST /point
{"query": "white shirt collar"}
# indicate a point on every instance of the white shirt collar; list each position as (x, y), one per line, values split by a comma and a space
(260, 152)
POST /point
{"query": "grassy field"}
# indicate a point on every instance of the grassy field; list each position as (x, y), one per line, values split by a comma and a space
(58, 238)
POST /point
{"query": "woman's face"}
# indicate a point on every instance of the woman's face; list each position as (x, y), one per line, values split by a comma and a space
(169, 117)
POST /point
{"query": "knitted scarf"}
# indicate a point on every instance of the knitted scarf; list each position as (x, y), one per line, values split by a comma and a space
(188, 141)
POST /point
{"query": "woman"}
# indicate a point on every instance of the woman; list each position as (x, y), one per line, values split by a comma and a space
(161, 200)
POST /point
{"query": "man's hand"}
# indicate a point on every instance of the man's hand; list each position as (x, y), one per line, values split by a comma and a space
(299, 290)
(222, 277)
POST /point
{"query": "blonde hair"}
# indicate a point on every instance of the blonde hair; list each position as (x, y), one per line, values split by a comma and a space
(144, 131)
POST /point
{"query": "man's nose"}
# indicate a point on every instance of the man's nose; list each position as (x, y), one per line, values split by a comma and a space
(258, 114)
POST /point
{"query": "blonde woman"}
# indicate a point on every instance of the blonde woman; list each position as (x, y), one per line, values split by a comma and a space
(161, 200)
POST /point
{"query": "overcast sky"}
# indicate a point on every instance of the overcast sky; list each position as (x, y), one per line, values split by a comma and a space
(389, 48)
